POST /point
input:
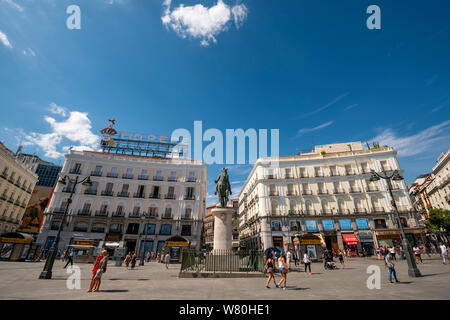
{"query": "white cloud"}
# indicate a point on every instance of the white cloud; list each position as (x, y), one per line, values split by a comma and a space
(201, 22)
(329, 104)
(432, 138)
(29, 51)
(4, 40)
(321, 126)
(76, 128)
(54, 108)
(14, 5)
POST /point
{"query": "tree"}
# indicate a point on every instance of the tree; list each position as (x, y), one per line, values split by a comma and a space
(438, 221)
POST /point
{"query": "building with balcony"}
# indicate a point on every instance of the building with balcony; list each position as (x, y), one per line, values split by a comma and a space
(438, 190)
(327, 194)
(132, 199)
(17, 182)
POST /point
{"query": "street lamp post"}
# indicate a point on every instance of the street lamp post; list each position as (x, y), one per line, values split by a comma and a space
(144, 218)
(413, 271)
(47, 272)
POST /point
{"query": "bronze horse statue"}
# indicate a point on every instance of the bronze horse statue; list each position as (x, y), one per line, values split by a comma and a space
(223, 187)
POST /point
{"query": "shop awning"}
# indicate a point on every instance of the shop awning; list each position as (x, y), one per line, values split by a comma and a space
(349, 238)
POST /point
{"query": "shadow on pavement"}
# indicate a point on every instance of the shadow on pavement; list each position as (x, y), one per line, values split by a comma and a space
(113, 290)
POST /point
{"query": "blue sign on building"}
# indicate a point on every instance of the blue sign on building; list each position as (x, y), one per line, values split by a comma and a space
(328, 224)
(311, 225)
(362, 224)
(345, 224)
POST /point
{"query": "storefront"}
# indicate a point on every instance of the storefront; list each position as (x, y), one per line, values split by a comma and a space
(366, 240)
(330, 236)
(388, 238)
(351, 243)
(174, 245)
(15, 246)
(312, 244)
(278, 242)
(83, 249)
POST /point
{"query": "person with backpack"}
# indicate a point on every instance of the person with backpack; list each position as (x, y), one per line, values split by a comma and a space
(391, 266)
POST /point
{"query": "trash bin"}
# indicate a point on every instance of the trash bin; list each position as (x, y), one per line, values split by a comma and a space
(118, 261)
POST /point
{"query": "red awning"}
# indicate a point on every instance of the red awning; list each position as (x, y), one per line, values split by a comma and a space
(349, 238)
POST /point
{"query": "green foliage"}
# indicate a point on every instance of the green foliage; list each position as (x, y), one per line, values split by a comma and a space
(323, 152)
(439, 219)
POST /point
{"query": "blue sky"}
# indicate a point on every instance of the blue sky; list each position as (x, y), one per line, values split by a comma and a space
(309, 68)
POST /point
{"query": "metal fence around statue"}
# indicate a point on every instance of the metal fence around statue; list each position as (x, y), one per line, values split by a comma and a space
(222, 261)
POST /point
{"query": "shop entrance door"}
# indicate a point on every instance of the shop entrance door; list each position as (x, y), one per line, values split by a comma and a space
(331, 243)
(131, 245)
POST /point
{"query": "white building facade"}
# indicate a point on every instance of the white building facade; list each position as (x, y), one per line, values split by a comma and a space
(137, 201)
(326, 194)
(17, 182)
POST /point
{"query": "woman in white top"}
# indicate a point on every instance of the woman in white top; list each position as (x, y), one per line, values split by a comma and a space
(443, 252)
(307, 263)
(283, 269)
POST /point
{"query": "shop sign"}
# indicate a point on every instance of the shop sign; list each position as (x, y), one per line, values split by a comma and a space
(177, 243)
(328, 224)
(345, 224)
(15, 240)
(310, 241)
(362, 224)
(311, 225)
(296, 240)
(82, 243)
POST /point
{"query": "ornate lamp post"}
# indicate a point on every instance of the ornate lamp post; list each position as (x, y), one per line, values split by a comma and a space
(47, 272)
(144, 219)
(413, 271)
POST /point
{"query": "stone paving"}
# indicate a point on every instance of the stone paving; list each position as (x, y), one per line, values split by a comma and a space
(19, 280)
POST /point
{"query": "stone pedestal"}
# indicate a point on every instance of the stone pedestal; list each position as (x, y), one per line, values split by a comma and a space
(223, 228)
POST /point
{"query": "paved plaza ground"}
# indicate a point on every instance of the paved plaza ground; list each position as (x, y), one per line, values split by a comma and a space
(19, 280)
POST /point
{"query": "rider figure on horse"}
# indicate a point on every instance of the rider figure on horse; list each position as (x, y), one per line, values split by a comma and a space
(223, 187)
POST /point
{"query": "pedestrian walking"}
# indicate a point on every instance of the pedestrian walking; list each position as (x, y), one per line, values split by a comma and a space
(282, 266)
(391, 266)
(417, 252)
(295, 258)
(444, 252)
(167, 260)
(378, 254)
(392, 252)
(149, 256)
(307, 262)
(133, 259)
(128, 260)
(63, 256)
(341, 258)
(269, 268)
(70, 258)
(288, 260)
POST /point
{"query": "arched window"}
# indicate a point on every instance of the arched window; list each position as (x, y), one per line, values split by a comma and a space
(309, 207)
(341, 206)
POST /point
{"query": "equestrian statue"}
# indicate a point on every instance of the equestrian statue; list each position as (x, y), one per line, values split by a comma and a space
(223, 187)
